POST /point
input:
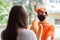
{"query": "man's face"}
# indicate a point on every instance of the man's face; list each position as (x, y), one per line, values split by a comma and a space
(42, 15)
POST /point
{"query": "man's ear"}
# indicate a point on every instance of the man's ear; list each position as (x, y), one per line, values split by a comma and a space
(46, 14)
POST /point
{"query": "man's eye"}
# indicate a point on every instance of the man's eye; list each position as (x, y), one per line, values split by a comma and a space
(45, 12)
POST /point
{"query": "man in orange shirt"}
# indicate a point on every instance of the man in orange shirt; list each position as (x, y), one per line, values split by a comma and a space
(43, 29)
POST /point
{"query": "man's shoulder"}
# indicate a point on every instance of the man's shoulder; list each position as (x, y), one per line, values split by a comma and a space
(51, 24)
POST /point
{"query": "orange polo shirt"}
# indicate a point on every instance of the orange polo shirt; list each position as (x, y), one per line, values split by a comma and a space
(48, 29)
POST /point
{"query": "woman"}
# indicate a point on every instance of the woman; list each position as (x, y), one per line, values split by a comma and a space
(17, 26)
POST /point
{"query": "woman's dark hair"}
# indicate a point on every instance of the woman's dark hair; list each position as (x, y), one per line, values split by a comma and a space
(17, 19)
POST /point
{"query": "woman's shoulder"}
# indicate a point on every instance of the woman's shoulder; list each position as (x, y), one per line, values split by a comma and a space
(25, 33)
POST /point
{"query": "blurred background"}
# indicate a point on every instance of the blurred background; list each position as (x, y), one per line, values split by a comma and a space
(52, 6)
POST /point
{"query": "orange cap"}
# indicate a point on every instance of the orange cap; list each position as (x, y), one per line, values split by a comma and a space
(40, 9)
